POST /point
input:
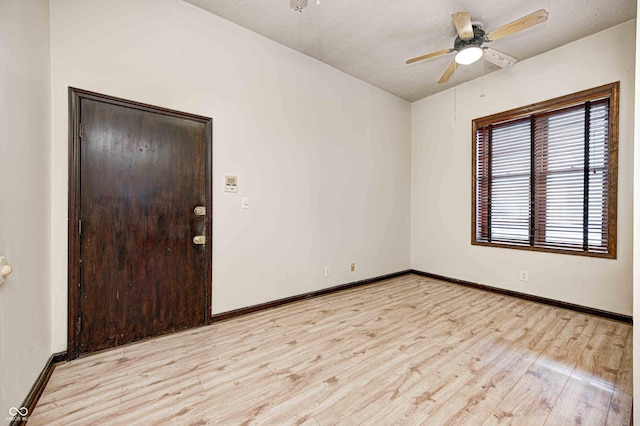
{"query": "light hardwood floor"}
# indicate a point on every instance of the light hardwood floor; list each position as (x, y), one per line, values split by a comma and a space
(408, 350)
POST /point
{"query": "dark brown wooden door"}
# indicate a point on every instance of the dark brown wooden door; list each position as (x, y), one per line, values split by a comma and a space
(141, 175)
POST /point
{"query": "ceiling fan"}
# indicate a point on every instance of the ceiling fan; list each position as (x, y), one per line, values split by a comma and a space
(471, 38)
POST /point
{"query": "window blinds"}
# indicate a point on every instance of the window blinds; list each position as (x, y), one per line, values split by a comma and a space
(542, 180)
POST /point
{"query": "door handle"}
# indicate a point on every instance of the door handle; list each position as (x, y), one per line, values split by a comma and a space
(200, 240)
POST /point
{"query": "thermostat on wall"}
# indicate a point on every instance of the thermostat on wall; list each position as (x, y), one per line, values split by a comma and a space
(230, 183)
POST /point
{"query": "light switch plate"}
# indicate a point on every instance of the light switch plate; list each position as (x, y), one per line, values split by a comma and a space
(245, 202)
(5, 269)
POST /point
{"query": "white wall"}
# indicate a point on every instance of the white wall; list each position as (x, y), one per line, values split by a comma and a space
(25, 339)
(636, 231)
(324, 158)
(441, 176)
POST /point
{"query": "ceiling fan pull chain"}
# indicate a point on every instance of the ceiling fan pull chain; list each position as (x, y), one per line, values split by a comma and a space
(482, 78)
(455, 96)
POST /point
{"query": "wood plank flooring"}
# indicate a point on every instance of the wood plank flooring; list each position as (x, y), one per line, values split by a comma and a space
(408, 350)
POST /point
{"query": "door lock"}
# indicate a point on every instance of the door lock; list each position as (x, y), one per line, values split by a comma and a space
(200, 211)
(200, 240)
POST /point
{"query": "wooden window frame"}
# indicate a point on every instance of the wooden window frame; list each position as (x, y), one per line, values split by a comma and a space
(611, 91)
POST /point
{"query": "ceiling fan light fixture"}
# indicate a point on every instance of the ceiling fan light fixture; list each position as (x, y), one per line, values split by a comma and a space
(469, 55)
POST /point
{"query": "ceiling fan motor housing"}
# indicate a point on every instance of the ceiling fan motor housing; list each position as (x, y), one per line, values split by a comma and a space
(477, 40)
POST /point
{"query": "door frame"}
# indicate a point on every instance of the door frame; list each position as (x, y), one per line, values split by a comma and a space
(75, 96)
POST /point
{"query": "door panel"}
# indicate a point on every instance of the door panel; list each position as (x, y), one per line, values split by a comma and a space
(141, 174)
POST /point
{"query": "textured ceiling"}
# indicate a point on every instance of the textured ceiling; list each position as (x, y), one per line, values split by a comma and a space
(372, 39)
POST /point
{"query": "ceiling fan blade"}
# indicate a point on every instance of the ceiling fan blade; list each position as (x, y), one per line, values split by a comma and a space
(448, 72)
(530, 20)
(462, 20)
(500, 59)
(429, 55)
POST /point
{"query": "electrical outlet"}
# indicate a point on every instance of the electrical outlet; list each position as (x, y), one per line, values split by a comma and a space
(524, 276)
(353, 267)
(327, 271)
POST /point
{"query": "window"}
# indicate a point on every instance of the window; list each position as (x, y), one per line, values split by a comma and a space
(545, 175)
